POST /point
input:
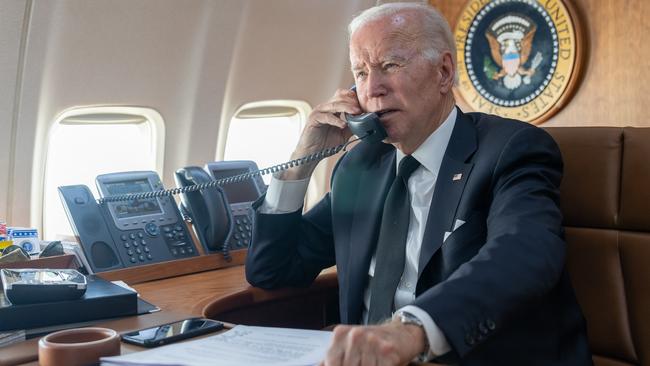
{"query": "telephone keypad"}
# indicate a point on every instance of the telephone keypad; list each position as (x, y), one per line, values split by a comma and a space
(242, 232)
(131, 245)
(176, 240)
(137, 250)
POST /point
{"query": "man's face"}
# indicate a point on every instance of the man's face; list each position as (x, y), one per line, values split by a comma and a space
(394, 79)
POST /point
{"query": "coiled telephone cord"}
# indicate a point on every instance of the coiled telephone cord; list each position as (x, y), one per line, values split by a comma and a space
(234, 179)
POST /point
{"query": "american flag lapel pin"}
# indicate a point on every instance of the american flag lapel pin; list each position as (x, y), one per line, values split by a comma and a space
(457, 177)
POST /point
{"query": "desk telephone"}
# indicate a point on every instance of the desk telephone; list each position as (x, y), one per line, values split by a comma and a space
(222, 216)
(116, 234)
(149, 229)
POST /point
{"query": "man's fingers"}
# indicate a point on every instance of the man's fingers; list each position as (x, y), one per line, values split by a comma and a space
(327, 119)
(354, 346)
(349, 105)
(334, 357)
(336, 351)
(345, 93)
(344, 100)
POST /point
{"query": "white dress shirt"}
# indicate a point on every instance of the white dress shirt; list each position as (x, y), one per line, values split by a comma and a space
(288, 196)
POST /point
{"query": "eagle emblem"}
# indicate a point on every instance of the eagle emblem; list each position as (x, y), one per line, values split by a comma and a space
(511, 40)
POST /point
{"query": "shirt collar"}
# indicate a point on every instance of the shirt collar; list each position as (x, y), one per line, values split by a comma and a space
(430, 153)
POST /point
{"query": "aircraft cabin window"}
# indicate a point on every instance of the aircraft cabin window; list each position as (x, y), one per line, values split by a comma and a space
(86, 142)
(266, 132)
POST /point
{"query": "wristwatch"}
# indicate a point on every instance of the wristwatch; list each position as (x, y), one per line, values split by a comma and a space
(408, 318)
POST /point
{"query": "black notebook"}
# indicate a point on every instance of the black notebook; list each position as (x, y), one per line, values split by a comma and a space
(102, 299)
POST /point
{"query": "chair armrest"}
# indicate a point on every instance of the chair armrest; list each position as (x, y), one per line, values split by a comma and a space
(313, 307)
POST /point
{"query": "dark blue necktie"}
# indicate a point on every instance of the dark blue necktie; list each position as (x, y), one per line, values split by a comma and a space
(391, 246)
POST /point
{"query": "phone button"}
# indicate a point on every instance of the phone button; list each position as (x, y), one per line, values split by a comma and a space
(152, 229)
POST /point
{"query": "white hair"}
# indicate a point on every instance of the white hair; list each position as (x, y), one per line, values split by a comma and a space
(436, 33)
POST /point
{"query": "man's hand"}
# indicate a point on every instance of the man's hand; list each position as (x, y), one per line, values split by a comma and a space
(392, 343)
(324, 129)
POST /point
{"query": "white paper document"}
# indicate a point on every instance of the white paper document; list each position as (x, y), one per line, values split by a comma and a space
(242, 345)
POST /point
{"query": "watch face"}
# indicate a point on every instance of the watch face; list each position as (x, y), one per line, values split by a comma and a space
(407, 318)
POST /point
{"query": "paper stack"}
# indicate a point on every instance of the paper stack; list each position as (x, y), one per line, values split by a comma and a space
(8, 338)
(242, 345)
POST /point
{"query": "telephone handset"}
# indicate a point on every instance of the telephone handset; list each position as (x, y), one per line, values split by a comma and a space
(240, 196)
(207, 209)
(115, 234)
(222, 217)
(367, 125)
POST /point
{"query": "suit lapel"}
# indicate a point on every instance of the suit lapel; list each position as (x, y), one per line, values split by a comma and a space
(373, 188)
(453, 175)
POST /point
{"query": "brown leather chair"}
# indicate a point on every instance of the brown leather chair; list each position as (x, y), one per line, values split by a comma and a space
(606, 206)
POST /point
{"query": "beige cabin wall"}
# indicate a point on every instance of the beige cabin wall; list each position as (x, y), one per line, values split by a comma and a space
(12, 22)
(195, 62)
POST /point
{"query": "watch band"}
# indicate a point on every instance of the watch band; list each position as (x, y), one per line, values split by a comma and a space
(408, 318)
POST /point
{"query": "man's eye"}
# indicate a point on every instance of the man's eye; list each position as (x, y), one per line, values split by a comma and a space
(360, 75)
(389, 66)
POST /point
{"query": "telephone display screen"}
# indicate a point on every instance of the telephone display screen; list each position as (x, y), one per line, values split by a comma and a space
(244, 191)
(135, 207)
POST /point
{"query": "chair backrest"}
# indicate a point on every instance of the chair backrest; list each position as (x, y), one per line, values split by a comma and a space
(606, 207)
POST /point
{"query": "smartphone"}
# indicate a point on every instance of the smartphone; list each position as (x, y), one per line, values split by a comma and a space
(171, 332)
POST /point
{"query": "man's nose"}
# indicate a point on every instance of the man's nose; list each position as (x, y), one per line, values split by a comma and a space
(376, 84)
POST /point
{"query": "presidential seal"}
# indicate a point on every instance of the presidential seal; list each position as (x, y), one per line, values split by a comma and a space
(517, 58)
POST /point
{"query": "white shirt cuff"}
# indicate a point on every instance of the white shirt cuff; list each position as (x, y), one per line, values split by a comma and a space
(284, 196)
(438, 344)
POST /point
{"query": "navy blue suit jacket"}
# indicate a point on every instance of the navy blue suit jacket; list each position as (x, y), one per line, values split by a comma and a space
(497, 287)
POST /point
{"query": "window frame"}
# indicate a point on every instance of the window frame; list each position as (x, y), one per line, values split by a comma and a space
(149, 114)
(302, 107)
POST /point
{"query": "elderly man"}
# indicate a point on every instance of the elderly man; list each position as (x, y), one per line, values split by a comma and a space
(447, 236)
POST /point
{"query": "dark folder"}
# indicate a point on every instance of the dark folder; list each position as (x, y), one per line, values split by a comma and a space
(102, 299)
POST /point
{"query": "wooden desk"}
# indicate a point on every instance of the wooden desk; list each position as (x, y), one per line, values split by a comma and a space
(182, 297)
(189, 294)
(26, 353)
(221, 294)
(178, 297)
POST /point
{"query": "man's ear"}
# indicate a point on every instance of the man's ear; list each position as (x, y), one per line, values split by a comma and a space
(447, 72)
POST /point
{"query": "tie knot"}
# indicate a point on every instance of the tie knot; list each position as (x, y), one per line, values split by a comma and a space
(407, 166)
